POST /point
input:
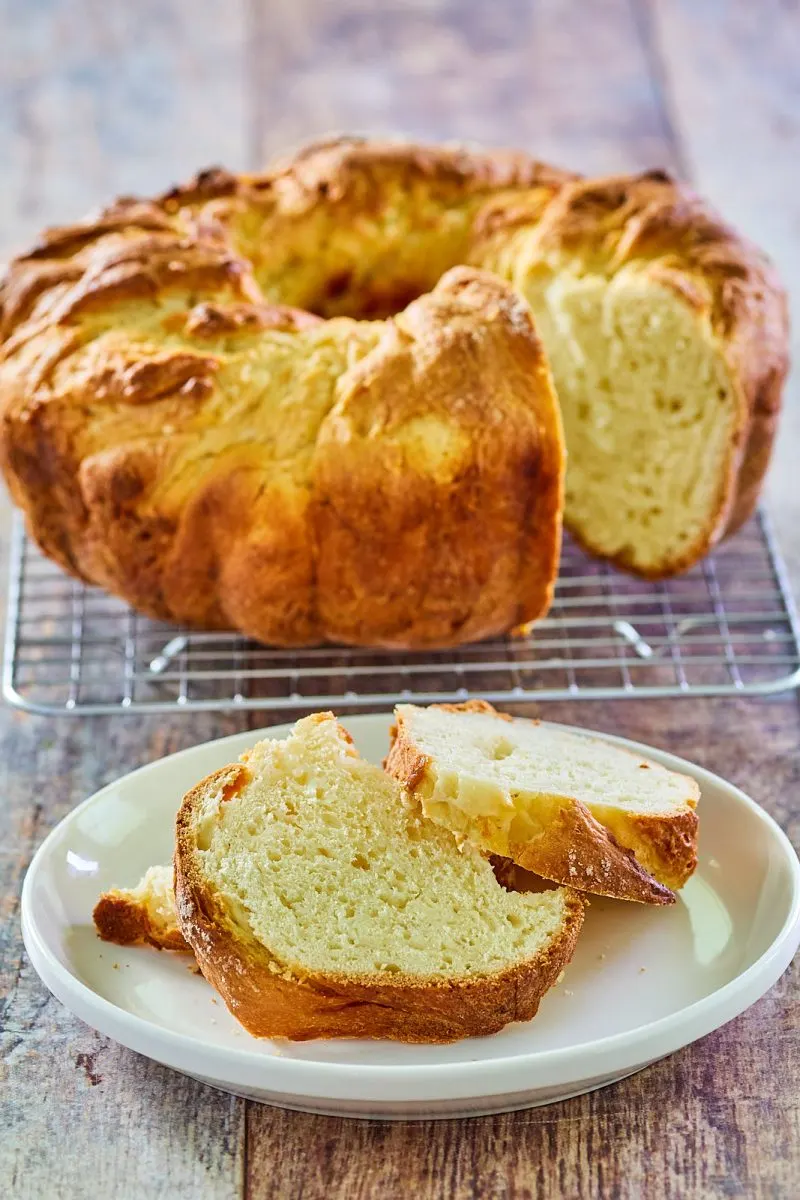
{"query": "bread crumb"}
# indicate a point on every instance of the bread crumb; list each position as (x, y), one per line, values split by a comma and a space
(567, 992)
(601, 957)
(642, 970)
(713, 862)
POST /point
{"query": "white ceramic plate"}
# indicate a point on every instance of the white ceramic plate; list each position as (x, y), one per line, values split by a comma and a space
(643, 982)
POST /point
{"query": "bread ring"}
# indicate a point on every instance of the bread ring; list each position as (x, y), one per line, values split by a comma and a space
(193, 419)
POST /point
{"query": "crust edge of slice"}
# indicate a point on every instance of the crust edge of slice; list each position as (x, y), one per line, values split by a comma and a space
(129, 917)
(273, 1000)
(577, 849)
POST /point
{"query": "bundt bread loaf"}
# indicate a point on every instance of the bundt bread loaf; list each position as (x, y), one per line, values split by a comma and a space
(224, 463)
(180, 429)
(319, 905)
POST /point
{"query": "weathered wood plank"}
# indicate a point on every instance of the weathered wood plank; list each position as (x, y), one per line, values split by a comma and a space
(666, 1132)
(733, 85)
(720, 1118)
(79, 1115)
(733, 90)
(101, 99)
(96, 100)
(568, 81)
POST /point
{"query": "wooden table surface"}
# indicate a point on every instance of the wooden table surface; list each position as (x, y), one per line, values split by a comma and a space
(100, 98)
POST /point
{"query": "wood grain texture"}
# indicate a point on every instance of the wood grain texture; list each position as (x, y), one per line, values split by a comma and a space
(719, 1119)
(79, 1115)
(95, 100)
(668, 1132)
(568, 81)
(100, 98)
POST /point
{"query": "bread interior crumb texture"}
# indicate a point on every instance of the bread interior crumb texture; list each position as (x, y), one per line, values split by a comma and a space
(329, 868)
(508, 772)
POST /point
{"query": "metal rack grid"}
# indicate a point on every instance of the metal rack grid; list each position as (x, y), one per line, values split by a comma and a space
(727, 627)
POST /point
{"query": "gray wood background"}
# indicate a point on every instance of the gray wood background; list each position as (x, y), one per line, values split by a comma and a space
(98, 98)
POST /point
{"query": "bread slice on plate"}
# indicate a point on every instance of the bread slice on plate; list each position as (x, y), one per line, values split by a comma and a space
(319, 903)
(145, 913)
(573, 808)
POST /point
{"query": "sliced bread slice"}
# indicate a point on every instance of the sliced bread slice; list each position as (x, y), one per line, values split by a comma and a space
(145, 913)
(571, 807)
(319, 904)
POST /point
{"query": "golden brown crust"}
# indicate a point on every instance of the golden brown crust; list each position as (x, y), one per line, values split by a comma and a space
(664, 845)
(405, 762)
(271, 1002)
(661, 228)
(476, 706)
(358, 533)
(345, 161)
(135, 438)
(352, 552)
(579, 851)
(767, 393)
(642, 860)
(120, 918)
(496, 488)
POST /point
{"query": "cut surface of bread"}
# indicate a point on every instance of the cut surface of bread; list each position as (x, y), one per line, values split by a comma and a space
(640, 382)
(667, 338)
(571, 807)
(319, 904)
(145, 913)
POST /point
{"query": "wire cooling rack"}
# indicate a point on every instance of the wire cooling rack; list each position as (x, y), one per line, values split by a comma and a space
(728, 626)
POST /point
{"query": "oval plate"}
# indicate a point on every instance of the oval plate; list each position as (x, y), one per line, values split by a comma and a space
(643, 982)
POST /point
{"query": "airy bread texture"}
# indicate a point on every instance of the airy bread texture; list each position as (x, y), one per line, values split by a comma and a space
(145, 913)
(667, 334)
(319, 904)
(178, 430)
(568, 806)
